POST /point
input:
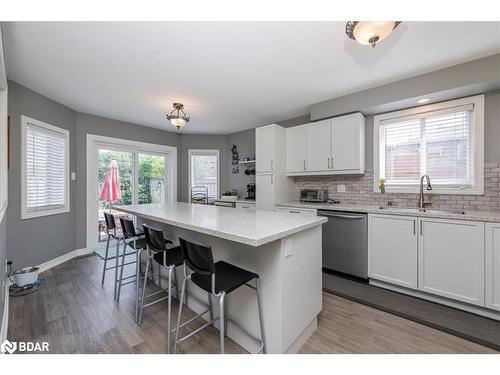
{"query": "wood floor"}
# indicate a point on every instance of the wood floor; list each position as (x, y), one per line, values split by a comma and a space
(75, 314)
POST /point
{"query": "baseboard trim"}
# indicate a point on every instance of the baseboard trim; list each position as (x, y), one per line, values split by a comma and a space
(63, 258)
(5, 316)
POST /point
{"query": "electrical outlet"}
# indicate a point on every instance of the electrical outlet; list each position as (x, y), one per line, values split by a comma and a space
(341, 188)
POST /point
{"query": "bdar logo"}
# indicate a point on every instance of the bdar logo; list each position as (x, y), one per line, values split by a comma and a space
(8, 347)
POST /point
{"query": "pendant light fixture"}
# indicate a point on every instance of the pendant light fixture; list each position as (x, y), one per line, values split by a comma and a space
(178, 117)
(370, 32)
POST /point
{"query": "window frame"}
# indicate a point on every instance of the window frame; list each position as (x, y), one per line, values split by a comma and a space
(192, 152)
(25, 213)
(478, 146)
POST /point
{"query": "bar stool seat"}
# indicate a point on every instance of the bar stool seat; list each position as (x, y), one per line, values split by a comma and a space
(227, 278)
(170, 257)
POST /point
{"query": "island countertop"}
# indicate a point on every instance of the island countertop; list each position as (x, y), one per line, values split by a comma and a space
(254, 228)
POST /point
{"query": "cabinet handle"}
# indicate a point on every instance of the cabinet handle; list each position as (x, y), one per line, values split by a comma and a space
(304, 164)
(421, 229)
(272, 179)
(328, 163)
(272, 165)
(294, 212)
(414, 227)
(331, 163)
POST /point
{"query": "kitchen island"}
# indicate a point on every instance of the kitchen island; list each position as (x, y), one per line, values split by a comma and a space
(284, 249)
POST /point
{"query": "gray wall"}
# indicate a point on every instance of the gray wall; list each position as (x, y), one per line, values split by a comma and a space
(34, 241)
(90, 124)
(492, 127)
(470, 78)
(199, 141)
(245, 142)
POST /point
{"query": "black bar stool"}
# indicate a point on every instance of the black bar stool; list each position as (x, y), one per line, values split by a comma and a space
(170, 258)
(217, 279)
(133, 238)
(112, 234)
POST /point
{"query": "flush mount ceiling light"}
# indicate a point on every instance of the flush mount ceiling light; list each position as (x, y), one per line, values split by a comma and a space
(370, 32)
(178, 117)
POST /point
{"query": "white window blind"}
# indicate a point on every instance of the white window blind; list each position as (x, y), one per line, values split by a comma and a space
(205, 171)
(45, 170)
(438, 143)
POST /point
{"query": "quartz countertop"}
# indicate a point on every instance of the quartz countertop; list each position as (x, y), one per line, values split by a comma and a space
(473, 215)
(254, 228)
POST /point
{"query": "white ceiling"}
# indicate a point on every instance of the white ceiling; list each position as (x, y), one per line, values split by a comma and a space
(230, 76)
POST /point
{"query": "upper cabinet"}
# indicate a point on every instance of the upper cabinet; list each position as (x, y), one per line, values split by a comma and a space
(265, 149)
(332, 146)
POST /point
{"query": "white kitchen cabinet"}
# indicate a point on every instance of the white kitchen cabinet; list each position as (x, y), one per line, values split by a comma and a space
(451, 259)
(347, 143)
(492, 287)
(296, 149)
(318, 146)
(269, 148)
(297, 211)
(332, 146)
(392, 249)
(265, 191)
(247, 206)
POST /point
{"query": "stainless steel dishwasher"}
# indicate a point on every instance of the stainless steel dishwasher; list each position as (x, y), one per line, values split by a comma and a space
(345, 245)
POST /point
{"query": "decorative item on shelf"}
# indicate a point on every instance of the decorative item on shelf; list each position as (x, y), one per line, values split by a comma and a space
(370, 32)
(381, 185)
(250, 192)
(235, 159)
(177, 116)
(229, 195)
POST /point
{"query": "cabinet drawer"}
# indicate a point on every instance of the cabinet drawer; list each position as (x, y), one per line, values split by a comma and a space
(299, 211)
(248, 206)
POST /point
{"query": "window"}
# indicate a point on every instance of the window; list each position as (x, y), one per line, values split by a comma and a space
(45, 169)
(204, 172)
(444, 141)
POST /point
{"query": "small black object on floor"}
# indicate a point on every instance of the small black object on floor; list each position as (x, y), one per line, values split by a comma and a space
(472, 327)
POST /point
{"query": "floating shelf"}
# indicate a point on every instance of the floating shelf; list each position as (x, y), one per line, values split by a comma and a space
(247, 162)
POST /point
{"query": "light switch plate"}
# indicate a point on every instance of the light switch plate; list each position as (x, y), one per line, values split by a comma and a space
(341, 188)
(73, 176)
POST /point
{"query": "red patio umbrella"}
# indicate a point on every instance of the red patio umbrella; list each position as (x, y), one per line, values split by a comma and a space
(111, 187)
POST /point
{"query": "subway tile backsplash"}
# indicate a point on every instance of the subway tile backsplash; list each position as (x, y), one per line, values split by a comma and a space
(359, 189)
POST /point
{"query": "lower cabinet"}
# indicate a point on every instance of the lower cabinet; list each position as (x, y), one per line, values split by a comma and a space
(392, 249)
(451, 259)
(492, 262)
(447, 258)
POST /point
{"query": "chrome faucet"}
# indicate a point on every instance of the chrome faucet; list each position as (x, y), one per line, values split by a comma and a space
(421, 202)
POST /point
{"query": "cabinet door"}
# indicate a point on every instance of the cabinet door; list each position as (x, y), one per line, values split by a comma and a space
(493, 266)
(392, 249)
(296, 149)
(345, 142)
(451, 259)
(265, 148)
(318, 146)
(264, 191)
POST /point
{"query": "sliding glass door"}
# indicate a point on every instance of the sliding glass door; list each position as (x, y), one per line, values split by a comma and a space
(142, 180)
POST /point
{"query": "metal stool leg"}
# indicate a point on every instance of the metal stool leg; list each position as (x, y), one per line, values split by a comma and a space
(222, 321)
(144, 290)
(261, 321)
(137, 279)
(171, 270)
(105, 261)
(177, 293)
(225, 316)
(183, 291)
(121, 272)
(116, 268)
(211, 308)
